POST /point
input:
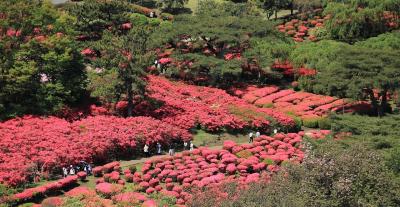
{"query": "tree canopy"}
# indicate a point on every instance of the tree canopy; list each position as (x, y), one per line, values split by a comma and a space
(93, 17)
(351, 71)
(354, 20)
(217, 30)
(41, 69)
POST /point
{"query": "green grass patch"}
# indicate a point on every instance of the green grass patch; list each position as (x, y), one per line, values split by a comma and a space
(90, 182)
(203, 138)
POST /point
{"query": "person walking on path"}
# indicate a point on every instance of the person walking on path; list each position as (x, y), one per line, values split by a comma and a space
(171, 149)
(89, 169)
(185, 144)
(191, 146)
(71, 170)
(251, 137)
(146, 150)
(258, 134)
(275, 131)
(65, 172)
(158, 148)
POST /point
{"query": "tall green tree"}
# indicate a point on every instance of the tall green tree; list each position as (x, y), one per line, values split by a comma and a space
(41, 69)
(386, 41)
(93, 17)
(263, 52)
(355, 20)
(125, 57)
(272, 7)
(217, 30)
(307, 5)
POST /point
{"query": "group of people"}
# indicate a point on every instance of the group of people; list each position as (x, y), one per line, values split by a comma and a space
(171, 148)
(72, 170)
(257, 134)
(251, 136)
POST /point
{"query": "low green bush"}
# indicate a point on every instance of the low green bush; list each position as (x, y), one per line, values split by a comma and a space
(167, 16)
(132, 168)
(311, 122)
(154, 21)
(138, 19)
(393, 161)
(325, 123)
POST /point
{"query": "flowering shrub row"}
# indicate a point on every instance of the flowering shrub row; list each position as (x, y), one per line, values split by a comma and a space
(213, 109)
(30, 193)
(32, 144)
(302, 104)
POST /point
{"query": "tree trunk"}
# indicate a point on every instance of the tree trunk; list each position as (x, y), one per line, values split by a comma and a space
(384, 102)
(374, 102)
(291, 8)
(130, 99)
(276, 14)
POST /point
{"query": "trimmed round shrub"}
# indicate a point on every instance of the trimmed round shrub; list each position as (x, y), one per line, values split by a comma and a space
(325, 123)
(132, 168)
(52, 202)
(107, 189)
(82, 175)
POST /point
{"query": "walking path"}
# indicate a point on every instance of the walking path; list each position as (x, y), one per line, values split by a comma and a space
(144, 159)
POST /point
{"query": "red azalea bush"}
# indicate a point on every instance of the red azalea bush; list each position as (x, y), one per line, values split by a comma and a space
(82, 175)
(108, 190)
(80, 191)
(289, 70)
(45, 143)
(129, 197)
(30, 193)
(52, 202)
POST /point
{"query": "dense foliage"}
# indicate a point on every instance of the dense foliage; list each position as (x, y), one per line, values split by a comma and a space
(376, 132)
(207, 47)
(361, 72)
(355, 20)
(41, 69)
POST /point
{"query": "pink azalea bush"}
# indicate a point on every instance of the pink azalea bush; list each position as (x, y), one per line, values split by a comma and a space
(30, 193)
(107, 189)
